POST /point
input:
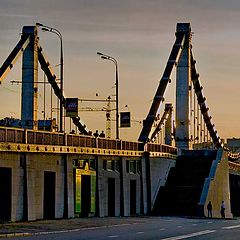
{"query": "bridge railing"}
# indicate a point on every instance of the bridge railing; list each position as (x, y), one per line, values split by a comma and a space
(80, 141)
(28, 136)
(12, 135)
(89, 141)
(44, 138)
(153, 147)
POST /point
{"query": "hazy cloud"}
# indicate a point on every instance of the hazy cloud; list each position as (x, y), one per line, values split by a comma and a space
(140, 34)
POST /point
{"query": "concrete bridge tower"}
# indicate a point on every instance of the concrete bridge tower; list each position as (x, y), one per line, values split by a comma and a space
(30, 79)
(183, 88)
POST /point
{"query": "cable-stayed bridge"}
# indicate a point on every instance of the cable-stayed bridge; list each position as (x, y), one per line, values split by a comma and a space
(51, 174)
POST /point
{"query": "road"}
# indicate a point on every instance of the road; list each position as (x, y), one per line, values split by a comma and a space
(159, 228)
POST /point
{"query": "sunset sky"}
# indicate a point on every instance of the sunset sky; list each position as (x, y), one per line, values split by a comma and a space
(140, 35)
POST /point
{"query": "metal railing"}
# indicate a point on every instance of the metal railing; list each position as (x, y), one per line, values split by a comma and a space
(28, 136)
(153, 147)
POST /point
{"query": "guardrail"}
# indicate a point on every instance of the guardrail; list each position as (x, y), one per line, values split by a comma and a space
(234, 166)
(28, 136)
(153, 147)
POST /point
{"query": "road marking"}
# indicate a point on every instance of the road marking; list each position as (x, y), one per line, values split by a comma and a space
(194, 224)
(190, 235)
(113, 236)
(209, 222)
(162, 229)
(231, 227)
(179, 226)
(139, 232)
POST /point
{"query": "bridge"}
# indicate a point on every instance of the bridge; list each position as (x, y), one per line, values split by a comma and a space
(51, 174)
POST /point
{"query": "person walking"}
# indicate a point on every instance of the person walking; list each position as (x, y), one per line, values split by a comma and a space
(209, 208)
(222, 211)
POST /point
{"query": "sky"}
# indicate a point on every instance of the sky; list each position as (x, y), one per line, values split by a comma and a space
(140, 35)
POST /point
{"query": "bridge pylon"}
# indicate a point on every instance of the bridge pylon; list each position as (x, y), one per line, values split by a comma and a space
(183, 88)
(32, 52)
(29, 110)
(187, 86)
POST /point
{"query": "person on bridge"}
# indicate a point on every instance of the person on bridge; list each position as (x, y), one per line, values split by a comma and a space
(102, 134)
(96, 134)
(222, 211)
(209, 208)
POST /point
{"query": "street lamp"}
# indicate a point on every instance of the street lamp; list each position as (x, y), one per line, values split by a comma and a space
(58, 33)
(107, 57)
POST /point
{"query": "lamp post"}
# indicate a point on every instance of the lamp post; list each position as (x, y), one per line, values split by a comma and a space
(107, 57)
(58, 33)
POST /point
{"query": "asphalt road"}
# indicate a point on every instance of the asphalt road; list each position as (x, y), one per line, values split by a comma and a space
(164, 228)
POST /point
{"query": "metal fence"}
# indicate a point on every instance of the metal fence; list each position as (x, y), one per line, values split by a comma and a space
(27, 136)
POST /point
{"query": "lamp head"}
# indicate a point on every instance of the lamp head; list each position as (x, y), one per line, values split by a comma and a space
(99, 53)
(39, 24)
(104, 57)
(45, 29)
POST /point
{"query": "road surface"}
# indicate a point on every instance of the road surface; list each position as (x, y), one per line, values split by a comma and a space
(159, 228)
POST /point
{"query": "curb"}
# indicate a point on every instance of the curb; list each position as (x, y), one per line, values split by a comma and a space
(10, 235)
(24, 234)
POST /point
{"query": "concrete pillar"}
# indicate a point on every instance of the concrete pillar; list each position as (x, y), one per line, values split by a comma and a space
(183, 83)
(34, 189)
(168, 125)
(70, 184)
(102, 193)
(144, 185)
(60, 186)
(30, 79)
(122, 176)
(17, 194)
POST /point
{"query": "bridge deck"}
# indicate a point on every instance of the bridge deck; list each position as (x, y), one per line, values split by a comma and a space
(25, 140)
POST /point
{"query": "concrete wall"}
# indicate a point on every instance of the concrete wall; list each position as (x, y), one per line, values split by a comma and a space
(36, 165)
(159, 170)
(216, 187)
(151, 173)
(12, 160)
(127, 177)
(103, 176)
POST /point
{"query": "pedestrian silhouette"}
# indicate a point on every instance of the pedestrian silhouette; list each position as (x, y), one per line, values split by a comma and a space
(102, 134)
(209, 208)
(96, 134)
(222, 211)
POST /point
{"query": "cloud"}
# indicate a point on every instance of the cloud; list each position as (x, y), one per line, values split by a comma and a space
(11, 15)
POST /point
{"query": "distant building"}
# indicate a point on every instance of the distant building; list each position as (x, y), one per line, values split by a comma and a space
(47, 125)
(233, 144)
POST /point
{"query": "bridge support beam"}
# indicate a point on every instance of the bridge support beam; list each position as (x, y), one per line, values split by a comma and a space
(183, 84)
(168, 125)
(30, 79)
